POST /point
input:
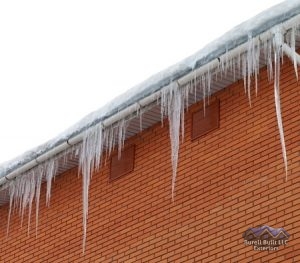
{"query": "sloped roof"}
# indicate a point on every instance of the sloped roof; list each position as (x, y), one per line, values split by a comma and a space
(232, 39)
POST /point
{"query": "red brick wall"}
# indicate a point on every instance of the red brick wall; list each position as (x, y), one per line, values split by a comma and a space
(230, 179)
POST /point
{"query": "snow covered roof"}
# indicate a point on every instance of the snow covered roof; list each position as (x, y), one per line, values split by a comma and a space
(239, 53)
(232, 39)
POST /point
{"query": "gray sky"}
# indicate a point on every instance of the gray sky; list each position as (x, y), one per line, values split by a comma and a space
(60, 60)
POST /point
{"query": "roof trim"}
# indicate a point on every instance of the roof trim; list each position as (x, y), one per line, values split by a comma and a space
(232, 42)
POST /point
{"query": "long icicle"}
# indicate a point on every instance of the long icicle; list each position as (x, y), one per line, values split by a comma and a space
(172, 104)
(91, 151)
(38, 176)
(31, 186)
(12, 192)
(277, 54)
(25, 194)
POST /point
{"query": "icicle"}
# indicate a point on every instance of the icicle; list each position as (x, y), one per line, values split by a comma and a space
(277, 42)
(105, 138)
(203, 85)
(256, 63)
(51, 168)
(293, 46)
(226, 61)
(11, 192)
(163, 102)
(183, 98)
(94, 142)
(86, 163)
(195, 86)
(98, 145)
(249, 66)
(161, 111)
(268, 58)
(31, 187)
(172, 105)
(18, 194)
(221, 67)
(244, 71)
(22, 192)
(121, 136)
(38, 181)
(141, 120)
(187, 90)
(111, 140)
(91, 150)
(237, 66)
(26, 195)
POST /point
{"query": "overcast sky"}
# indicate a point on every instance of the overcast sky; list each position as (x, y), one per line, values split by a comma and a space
(60, 60)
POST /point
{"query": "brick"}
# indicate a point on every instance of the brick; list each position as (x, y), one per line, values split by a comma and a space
(228, 180)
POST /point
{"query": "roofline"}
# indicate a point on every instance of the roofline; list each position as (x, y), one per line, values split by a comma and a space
(194, 65)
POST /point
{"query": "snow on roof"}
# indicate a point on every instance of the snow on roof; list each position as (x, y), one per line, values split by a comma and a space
(230, 40)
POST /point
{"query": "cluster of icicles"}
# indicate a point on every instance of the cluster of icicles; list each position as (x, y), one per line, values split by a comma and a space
(174, 98)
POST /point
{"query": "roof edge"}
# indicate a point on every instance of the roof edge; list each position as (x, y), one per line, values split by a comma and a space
(226, 43)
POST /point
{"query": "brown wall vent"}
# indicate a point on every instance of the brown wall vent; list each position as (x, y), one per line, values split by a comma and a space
(204, 123)
(124, 165)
